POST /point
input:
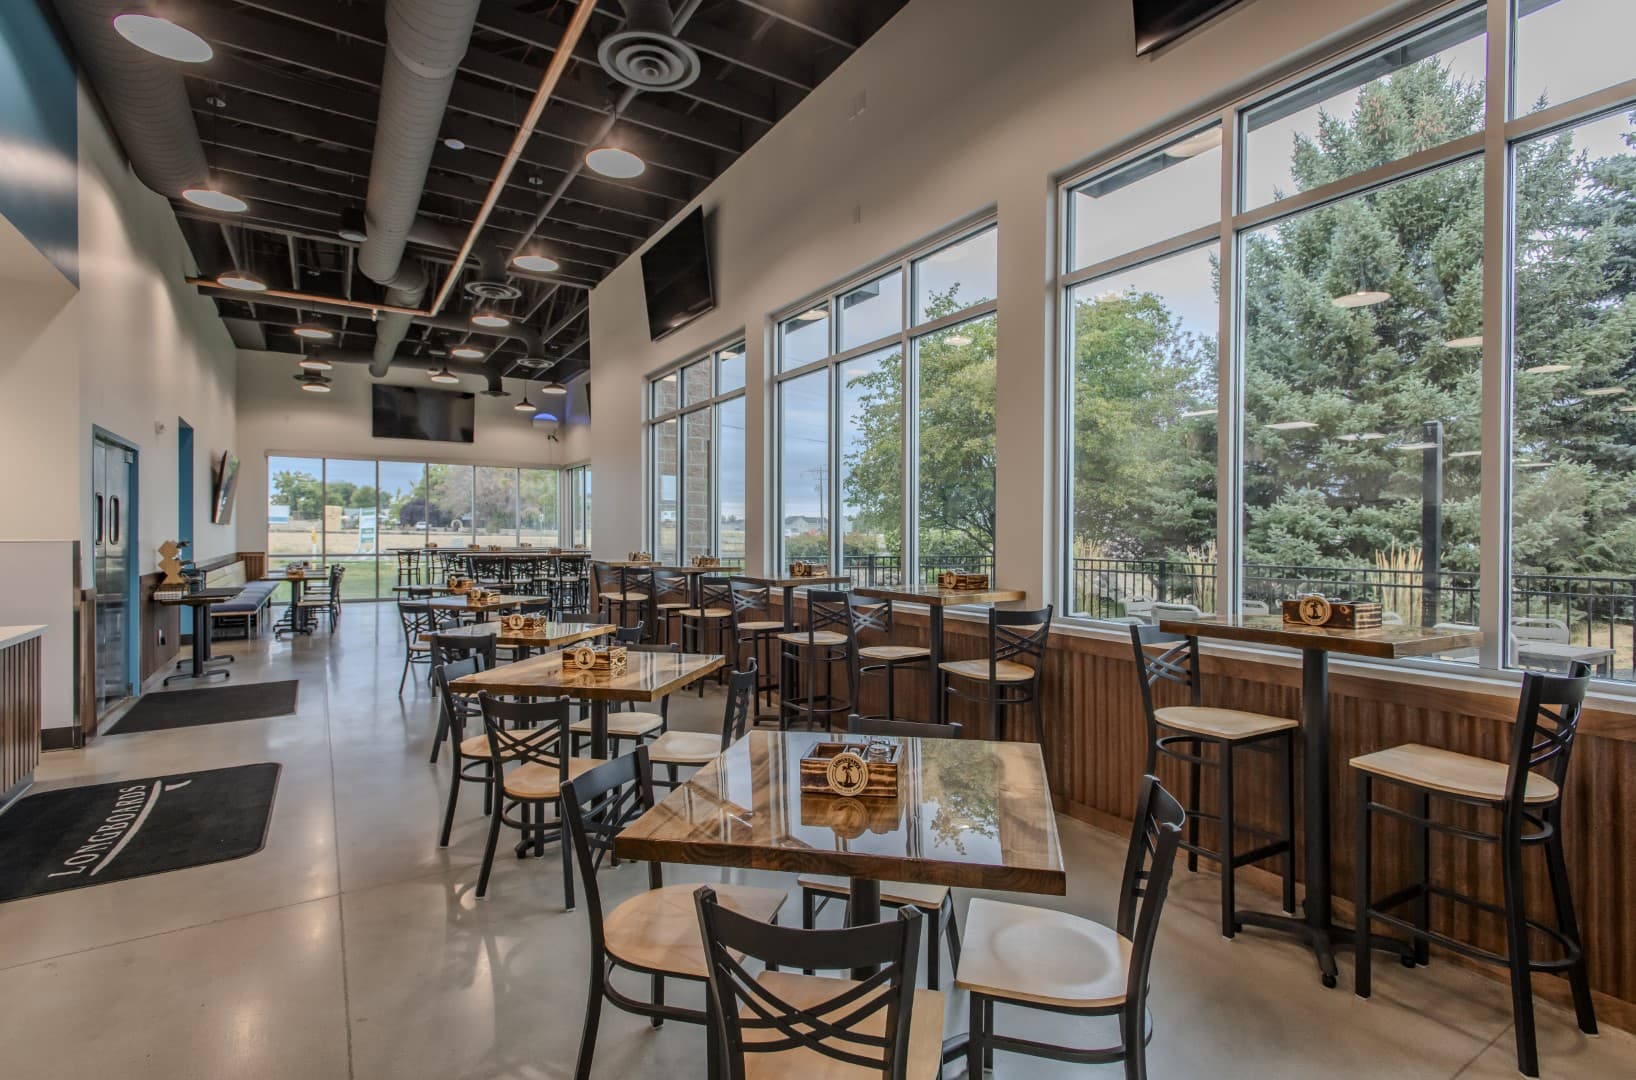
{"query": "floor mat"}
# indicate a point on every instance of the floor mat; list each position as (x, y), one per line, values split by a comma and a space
(208, 705)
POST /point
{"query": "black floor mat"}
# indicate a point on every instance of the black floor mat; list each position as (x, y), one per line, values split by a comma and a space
(68, 839)
(208, 705)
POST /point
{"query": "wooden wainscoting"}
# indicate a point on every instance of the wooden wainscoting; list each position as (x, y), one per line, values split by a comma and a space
(1096, 752)
(19, 713)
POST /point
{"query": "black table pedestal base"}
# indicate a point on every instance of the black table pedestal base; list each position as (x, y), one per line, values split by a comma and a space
(1322, 940)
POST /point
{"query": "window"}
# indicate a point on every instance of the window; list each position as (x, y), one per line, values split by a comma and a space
(579, 506)
(849, 405)
(359, 513)
(695, 437)
(1362, 382)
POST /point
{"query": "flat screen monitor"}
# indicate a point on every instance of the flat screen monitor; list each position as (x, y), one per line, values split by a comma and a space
(1159, 22)
(676, 276)
(410, 412)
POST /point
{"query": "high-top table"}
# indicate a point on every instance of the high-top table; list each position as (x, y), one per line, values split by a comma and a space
(969, 813)
(549, 636)
(1316, 924)
(936, 600)
(647, 678)
(200, 602)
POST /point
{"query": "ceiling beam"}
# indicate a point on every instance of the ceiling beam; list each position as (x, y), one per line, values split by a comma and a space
(823, 18)
(762, 57)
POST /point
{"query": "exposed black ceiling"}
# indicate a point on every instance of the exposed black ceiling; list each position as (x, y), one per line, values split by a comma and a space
(286, 110)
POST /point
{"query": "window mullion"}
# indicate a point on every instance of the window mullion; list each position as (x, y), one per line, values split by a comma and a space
(1494, 527)
(1229, 380)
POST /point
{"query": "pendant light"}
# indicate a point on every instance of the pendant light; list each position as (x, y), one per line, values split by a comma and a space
(313, 383)
(466, 352)
(444, 375)
(314, 363)
(553, 389)
(524, 405)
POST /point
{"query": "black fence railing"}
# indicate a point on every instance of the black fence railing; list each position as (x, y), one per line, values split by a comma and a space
(881, 571)
(1594, 616)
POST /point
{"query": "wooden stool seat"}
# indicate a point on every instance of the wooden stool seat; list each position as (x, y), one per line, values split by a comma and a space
(1013, 952)
(534, 781)
(624, 597)
(622, 725)
(671, 605)
(894, 653)
(1006, 671)
(900, 893)
(810, 992)
(823, 638)
(1452, 773)
(760, 626)
(685, 748)
(706, 613)
(658, 929)
(1228, 724)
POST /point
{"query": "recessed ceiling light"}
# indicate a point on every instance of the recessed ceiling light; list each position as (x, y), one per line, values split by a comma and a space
(1546, 369)
(1465, 453)
(958, 340)
(1195, 144)
(444, 375)
(1292, 425)
(466, 352)
(1475, 341)
(211, 199)
(492, 319)
(313, 383)
(314, 333)
(162, 38)
(1361, 298)
(537, 263)
(1414, 446)
(553, 388)
(314, 363)
(614, 162)
(813, 315)
(1603, 391)
(1194, 414)
(242, 280)
(453, 143)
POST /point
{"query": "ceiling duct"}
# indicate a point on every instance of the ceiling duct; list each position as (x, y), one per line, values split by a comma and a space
(644, 53)
(143, 96)
(425, 41)
(490, 283)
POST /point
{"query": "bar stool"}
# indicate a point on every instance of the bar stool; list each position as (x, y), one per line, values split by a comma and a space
(760, 634)
(713, 617)
(1526, 793)
(409, 567)
(672, 595)
(618, 593)
(1182, 732)
(1006, 682)
(830, 639)
(886, 658)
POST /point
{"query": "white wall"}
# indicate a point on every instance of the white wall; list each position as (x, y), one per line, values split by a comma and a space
(275, 416)
(969, 105)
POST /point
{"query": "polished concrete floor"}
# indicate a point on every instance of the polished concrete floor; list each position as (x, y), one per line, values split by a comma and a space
(352, 946)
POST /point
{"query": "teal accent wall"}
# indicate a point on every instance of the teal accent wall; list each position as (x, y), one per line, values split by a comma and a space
(39, 136)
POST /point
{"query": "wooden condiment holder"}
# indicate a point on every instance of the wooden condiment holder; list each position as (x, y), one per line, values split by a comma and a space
(1315, 610)
(806, 569)
(850, 769)
(960, 581)
(611, 659)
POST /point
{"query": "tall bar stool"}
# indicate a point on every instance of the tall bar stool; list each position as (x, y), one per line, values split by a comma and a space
(709, 626)
(1004, 680)
(621, 593)
(671, 596)
(886, 658)
(1526, 793)
(1183, 732)
(754, 626)
(409, 567)
(570, 584)
(829, 641)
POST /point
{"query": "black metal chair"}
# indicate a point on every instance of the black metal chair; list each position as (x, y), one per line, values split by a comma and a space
(1090, 969)
(754, 626)
(409, 567)
(471, 763)
(653, 933)
(886, 657)
(829, 640)
(417, 619)
(671, 596)
(623, 592)
(1526, 793)
(778, 1023)
(529, 764)
(674, 749)
(628, 724)
(447, 648)
(711, 622)
(935, 902)
(1184, 732)
(1005, 681)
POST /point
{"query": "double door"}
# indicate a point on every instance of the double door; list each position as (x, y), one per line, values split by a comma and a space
(113, 482)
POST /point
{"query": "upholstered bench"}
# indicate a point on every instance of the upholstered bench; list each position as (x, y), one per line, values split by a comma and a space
(245, 609)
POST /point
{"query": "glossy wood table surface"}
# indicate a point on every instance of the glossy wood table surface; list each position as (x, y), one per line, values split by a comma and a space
(1316, 923)
(499, 603)
(969, 813)
(549, 636)
(647, 678)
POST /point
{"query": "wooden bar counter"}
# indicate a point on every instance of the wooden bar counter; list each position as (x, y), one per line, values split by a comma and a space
(19, 708)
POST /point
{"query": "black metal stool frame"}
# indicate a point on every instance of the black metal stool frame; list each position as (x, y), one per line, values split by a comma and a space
(1003, 644)
(878, 616)
(826, 610)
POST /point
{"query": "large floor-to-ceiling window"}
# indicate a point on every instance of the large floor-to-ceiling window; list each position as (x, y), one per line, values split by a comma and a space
(578, 481)
(358, 513)
(696, 458)
(885, 416)
(1306, 397)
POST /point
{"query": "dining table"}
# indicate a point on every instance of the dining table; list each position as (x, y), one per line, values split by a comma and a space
(937, 599)
(200, 600)
(1316, 924)
(550, 636)
(969, 813)
(484, 608)
(647, 677)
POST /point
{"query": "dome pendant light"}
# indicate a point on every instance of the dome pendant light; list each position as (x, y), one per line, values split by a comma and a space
(553, 389)
(491, 319)
(524, 405)
(313, 383)
(466, 352)
(444, 375)
(314, 363)
(211, 199)
(242, 280)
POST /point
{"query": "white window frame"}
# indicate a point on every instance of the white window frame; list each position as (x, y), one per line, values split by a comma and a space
(712, 359)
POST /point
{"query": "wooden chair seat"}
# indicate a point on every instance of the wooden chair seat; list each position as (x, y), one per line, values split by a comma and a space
(894, 654)
(1451, 773)
(1226, 724)
(760, 626)
(658, 929)
(822, 638)
(1019, 953)
(671, 605)
(903, 893)
(706, 613)
(810, 992)
(535, 781)
(625, 597)
(685, 748)
(623, 725)
(1006, 671)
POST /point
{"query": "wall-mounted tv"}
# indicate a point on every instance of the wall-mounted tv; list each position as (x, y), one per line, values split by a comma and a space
(411, 412)
(676, 276)
(227, 487)
(1159, 22)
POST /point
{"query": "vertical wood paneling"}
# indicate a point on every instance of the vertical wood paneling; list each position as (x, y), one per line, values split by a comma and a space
(19, 712)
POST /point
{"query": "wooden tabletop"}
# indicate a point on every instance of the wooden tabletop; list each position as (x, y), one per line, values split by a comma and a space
(940, 597)
(647, 677)
(553, 634)
(1385, 642)
(793, 582)
(461, 603)
(969, 813)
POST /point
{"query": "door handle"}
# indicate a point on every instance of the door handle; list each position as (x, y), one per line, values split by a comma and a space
(113, 519)
(98, 539)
